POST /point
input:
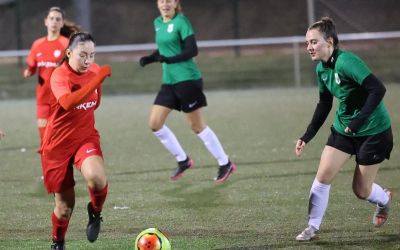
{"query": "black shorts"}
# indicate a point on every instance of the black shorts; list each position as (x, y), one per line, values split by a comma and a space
(185, 96)
(369, 150)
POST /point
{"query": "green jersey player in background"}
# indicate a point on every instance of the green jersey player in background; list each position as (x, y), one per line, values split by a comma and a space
(361, 126)
(182, 89)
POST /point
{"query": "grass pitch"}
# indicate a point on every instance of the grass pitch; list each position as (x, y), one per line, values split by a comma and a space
(262, 206)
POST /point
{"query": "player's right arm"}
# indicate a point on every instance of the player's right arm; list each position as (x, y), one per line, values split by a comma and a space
(31, 62)
(153, 57)
(321, 112)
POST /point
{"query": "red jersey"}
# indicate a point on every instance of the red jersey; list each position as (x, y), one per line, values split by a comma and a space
(44, 56)
(67, 130)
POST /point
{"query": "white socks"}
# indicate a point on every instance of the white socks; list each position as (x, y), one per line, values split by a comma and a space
(378, 195)
(318, 202)
(168, 139)
(210, 140)
(213, 145)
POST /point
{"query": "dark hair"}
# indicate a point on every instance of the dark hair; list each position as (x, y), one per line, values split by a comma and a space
(74, 40)
(328, 28)
(69, 28)
(58, 9)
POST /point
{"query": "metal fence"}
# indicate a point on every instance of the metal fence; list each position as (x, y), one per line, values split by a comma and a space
(237, 44)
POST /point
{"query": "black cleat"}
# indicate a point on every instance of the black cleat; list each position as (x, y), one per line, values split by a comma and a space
(182, 166)
(93, 226)
(225, 171)
(58, 245)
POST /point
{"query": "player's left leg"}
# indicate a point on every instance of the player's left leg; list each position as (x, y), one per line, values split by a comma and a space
(372, 150)
(212, 143)
(92, 169)
(365, 188)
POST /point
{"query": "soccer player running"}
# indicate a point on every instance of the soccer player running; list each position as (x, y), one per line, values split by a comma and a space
(361, 126)
(182, 89)
(71, 138)
(46, 52)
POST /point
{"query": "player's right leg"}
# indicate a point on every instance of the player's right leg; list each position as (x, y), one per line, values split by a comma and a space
(158, 116)
(64, 205)
(58, 179)
(331, 162)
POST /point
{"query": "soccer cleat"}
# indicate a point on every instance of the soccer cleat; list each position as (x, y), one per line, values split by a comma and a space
(182, 166)
(308, 234)
(224, 172)
(382, 213)
(93, 226)
(58, 245)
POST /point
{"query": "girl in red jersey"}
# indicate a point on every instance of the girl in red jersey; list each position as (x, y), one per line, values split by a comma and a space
(71, 138)
(44, 56)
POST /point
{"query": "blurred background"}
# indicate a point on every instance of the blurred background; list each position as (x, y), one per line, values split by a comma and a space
(243, 43)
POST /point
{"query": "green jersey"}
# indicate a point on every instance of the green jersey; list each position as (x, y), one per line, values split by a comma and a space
(343, 76)
(169, 36)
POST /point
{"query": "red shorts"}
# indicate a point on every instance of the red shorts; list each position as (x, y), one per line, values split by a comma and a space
(58, 172)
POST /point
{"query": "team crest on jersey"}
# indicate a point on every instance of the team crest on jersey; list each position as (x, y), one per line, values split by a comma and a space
(57, 53)
(170, 27)
(337, 79)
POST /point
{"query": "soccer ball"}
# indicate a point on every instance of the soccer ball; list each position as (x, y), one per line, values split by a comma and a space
(152, 239)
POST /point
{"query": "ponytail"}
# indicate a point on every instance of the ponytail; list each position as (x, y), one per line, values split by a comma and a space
(178, 8)
(69, 28)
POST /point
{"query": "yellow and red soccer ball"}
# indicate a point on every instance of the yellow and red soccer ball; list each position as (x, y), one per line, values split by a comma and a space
(152, 239)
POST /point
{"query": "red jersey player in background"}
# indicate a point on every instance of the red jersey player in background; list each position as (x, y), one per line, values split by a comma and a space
(71, 139)
(44, 56)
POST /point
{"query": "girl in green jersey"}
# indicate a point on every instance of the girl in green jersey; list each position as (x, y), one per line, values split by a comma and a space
(361, 126)
(182, 89)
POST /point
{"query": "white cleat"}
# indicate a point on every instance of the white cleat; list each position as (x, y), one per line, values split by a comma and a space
(308, 234)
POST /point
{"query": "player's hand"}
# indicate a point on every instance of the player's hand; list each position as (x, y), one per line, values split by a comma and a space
(2, 134)
(348, 130)
(300, 144)
(105, 70)
(144, 61)
(27, 73)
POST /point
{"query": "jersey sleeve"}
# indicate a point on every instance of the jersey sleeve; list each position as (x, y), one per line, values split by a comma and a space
(354, 68)
(31, 60)
(186, 28)
(59, 84)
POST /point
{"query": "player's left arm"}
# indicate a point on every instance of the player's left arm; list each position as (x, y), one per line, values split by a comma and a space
(69, 100)
(189, 50)
(376, 91)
